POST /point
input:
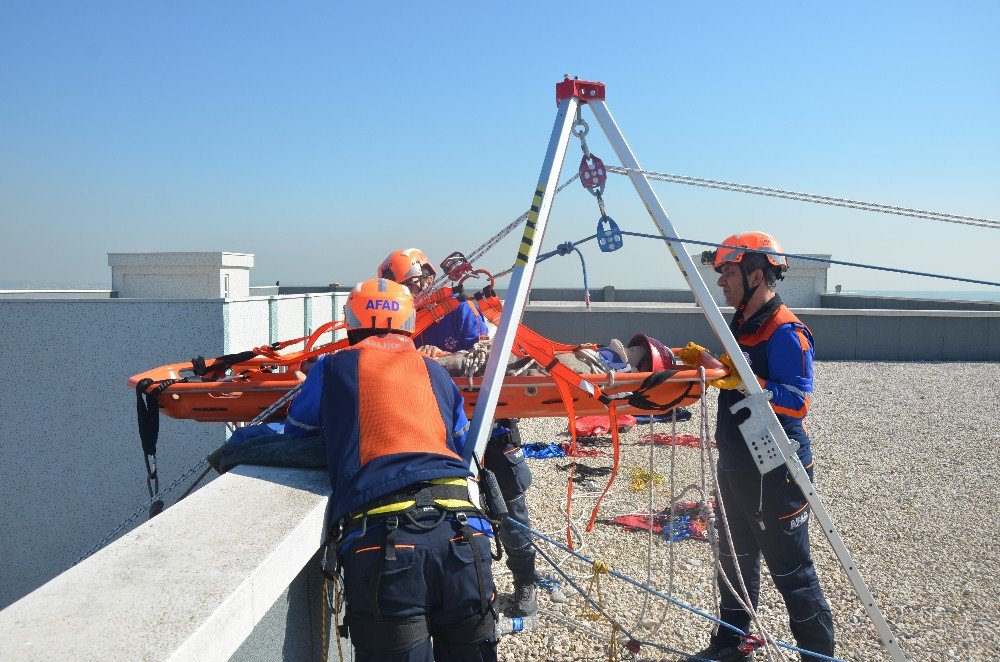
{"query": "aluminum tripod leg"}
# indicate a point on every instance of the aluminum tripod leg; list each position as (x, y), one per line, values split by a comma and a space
(520, 282)
(765, 437)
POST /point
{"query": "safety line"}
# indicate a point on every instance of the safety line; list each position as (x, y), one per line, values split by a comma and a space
(604, 613)
(679, 603)
(812, 258)
(809, 258)
(974, 221)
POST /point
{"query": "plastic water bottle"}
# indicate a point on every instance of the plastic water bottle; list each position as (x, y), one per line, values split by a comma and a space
(515, 624)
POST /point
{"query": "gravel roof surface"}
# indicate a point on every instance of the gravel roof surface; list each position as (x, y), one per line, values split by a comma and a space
(906, 463)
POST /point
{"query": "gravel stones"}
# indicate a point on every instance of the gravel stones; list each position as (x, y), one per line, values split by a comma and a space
(906, 463)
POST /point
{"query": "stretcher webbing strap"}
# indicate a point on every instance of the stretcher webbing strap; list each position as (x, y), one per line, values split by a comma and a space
(657, 392)
(429, 313)
(616, 454)
(492, 307)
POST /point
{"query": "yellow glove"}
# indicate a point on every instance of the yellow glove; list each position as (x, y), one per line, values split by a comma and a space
(730, 381)
(691, 353)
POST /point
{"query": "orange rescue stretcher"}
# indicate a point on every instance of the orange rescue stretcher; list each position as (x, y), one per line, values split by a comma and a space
(237, 388)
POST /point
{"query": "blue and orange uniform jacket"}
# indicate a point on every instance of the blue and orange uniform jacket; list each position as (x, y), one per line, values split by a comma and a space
(779, 348)
(458, 330)
(391, 418)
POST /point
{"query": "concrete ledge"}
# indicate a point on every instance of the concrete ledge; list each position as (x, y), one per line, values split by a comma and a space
(190, 584)
(57, 294)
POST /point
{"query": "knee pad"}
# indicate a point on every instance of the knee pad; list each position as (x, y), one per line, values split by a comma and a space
(478, 629)
(388, 635)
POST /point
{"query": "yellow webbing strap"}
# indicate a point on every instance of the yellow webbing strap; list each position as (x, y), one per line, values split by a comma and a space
(403, 505)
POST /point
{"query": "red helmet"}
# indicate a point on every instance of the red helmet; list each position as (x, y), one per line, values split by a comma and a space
(405, 263)
(380, 304)
(735, 247)
(662, 358)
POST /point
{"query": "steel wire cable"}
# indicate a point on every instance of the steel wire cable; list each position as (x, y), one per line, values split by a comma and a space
(810, 197)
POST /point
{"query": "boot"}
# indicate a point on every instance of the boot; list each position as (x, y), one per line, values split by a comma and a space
(724, 654)
(525, 599)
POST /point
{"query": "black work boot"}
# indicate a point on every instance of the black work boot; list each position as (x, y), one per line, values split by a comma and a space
(724, 654)
(525, 599)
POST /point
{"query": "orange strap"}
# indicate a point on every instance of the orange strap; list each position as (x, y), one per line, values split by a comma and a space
(431, 310)
(616, 453)
(543, 350)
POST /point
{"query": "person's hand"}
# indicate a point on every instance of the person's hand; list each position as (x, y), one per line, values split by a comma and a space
(690, 354)
(432, 351)
(730, 381)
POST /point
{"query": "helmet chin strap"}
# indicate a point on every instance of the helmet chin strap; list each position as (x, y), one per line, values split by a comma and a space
(747, 292)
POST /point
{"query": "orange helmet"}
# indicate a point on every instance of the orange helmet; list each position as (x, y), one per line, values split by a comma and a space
(736, 246)
(405, 263)
(380, 304)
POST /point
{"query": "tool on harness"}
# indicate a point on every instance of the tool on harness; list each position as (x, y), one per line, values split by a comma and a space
(494, 504)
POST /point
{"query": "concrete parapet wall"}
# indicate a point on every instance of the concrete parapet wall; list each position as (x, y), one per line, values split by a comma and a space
(868, 302)
(881, 335)
(57, 294)
(71, 465)
(191, 584)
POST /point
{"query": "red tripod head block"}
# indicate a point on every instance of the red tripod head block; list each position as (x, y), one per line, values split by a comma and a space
(584, 90)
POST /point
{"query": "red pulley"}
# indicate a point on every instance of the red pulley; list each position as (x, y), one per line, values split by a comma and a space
(456, 266)
(592, 172)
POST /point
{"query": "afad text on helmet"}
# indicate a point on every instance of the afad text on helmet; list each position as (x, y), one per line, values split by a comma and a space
(382, 304)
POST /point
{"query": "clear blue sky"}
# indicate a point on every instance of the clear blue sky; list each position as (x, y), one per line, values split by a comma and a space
(321, 135)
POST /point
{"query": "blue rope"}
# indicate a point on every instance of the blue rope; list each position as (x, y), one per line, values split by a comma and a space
(813, 258)
(809, 258)
(599, 608)
(653, 591)
(564, 249)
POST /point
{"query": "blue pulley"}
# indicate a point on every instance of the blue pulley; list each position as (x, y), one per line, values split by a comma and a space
(609, 237)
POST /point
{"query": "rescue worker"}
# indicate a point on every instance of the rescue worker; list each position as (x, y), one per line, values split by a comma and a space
(414, 549)
(767, 515)
(460, 330)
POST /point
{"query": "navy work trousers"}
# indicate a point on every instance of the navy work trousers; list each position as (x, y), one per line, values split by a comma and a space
(428, 596)
(771, 519)
(505, 458)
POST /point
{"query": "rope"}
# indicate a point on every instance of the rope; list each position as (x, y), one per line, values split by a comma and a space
(810, 197)
(644, 587)
(488, 245)
(809, 258)
(138, 511)
(565, 249)
(586, 597)
(813, 258)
